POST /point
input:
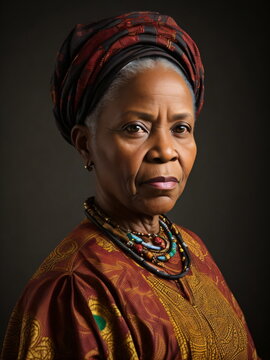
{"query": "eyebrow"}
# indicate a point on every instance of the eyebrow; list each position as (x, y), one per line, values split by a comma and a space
(140, 114)
(150, 117)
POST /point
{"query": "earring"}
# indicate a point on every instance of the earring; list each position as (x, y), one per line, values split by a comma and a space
(90, 166)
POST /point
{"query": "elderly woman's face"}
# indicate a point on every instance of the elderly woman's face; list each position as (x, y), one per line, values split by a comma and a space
(144, 147)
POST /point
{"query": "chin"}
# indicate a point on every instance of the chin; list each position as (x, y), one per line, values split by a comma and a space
(158, 205)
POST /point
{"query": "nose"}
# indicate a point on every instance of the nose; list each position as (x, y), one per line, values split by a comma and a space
(161, 148)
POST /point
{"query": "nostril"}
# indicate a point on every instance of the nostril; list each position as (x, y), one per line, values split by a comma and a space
(160, 160)
(157, 160)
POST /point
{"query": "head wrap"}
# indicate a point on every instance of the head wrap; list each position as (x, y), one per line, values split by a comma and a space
(91, 56)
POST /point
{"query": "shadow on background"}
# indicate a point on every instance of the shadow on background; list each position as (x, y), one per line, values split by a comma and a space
(43, 182)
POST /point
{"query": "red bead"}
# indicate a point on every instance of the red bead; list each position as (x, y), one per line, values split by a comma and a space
(157, 240)
(138, 247)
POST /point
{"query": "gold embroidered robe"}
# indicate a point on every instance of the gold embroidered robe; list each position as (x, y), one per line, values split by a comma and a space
(88, 300)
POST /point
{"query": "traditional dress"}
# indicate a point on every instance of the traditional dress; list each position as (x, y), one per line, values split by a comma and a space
(89, 300)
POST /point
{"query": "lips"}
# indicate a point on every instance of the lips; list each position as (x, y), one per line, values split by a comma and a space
(162, 179)
(162, 182)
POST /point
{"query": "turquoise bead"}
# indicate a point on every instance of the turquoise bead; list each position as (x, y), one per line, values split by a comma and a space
(161, 258)
(129, 235)
(152, 247)
(134, 238)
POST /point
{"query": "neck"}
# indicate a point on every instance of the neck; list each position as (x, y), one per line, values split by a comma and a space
(128, 220)
(143, 225)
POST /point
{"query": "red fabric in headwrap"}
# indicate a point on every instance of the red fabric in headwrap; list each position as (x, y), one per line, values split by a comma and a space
(92, 55)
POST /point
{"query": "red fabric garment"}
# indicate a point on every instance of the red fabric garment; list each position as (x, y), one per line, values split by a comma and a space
(88, 300)
(92, 54)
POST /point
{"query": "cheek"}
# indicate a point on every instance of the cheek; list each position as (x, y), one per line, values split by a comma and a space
(131, 167)
(121, 162)
(188, 157)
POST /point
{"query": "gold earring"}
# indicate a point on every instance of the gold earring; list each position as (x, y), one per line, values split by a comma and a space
(90, 166)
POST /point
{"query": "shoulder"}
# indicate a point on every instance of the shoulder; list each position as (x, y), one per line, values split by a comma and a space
(201, 258)
(76, 263)
(71, 270)
(195, 244)
(203, 263)
(66, 255)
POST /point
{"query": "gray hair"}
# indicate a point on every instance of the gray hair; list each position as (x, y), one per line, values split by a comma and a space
(125, 74)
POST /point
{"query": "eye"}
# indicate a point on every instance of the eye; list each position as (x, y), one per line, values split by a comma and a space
(181, 128)
(134, 128)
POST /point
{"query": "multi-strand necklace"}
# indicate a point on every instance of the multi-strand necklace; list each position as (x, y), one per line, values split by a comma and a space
(143, 247)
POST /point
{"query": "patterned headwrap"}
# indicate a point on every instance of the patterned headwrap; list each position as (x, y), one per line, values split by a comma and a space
(92, 55)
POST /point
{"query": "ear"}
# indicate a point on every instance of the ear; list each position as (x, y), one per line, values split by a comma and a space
(81, 139)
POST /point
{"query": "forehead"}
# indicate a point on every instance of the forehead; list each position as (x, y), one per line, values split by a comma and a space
(156, 85)
(157, 91)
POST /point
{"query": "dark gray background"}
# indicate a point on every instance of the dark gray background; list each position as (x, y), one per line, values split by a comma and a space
(43, 183)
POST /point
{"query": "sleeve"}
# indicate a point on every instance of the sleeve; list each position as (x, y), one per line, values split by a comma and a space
(63, 317)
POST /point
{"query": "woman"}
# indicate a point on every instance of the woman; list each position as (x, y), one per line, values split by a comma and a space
(127, 283)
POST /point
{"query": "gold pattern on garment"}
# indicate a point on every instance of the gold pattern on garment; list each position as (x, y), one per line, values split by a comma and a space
(160, 342)
(105, 244)
(92, 354)
(32, 346)
(206, 328)
(109, 331)
(64, 250)
(193, 245)
(129, 345)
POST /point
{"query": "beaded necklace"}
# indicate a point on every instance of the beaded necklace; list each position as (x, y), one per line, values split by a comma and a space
(141, 251)
(157, 239)
(152, 252)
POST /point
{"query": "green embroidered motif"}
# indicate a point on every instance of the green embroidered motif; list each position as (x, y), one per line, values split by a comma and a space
(101, 322)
